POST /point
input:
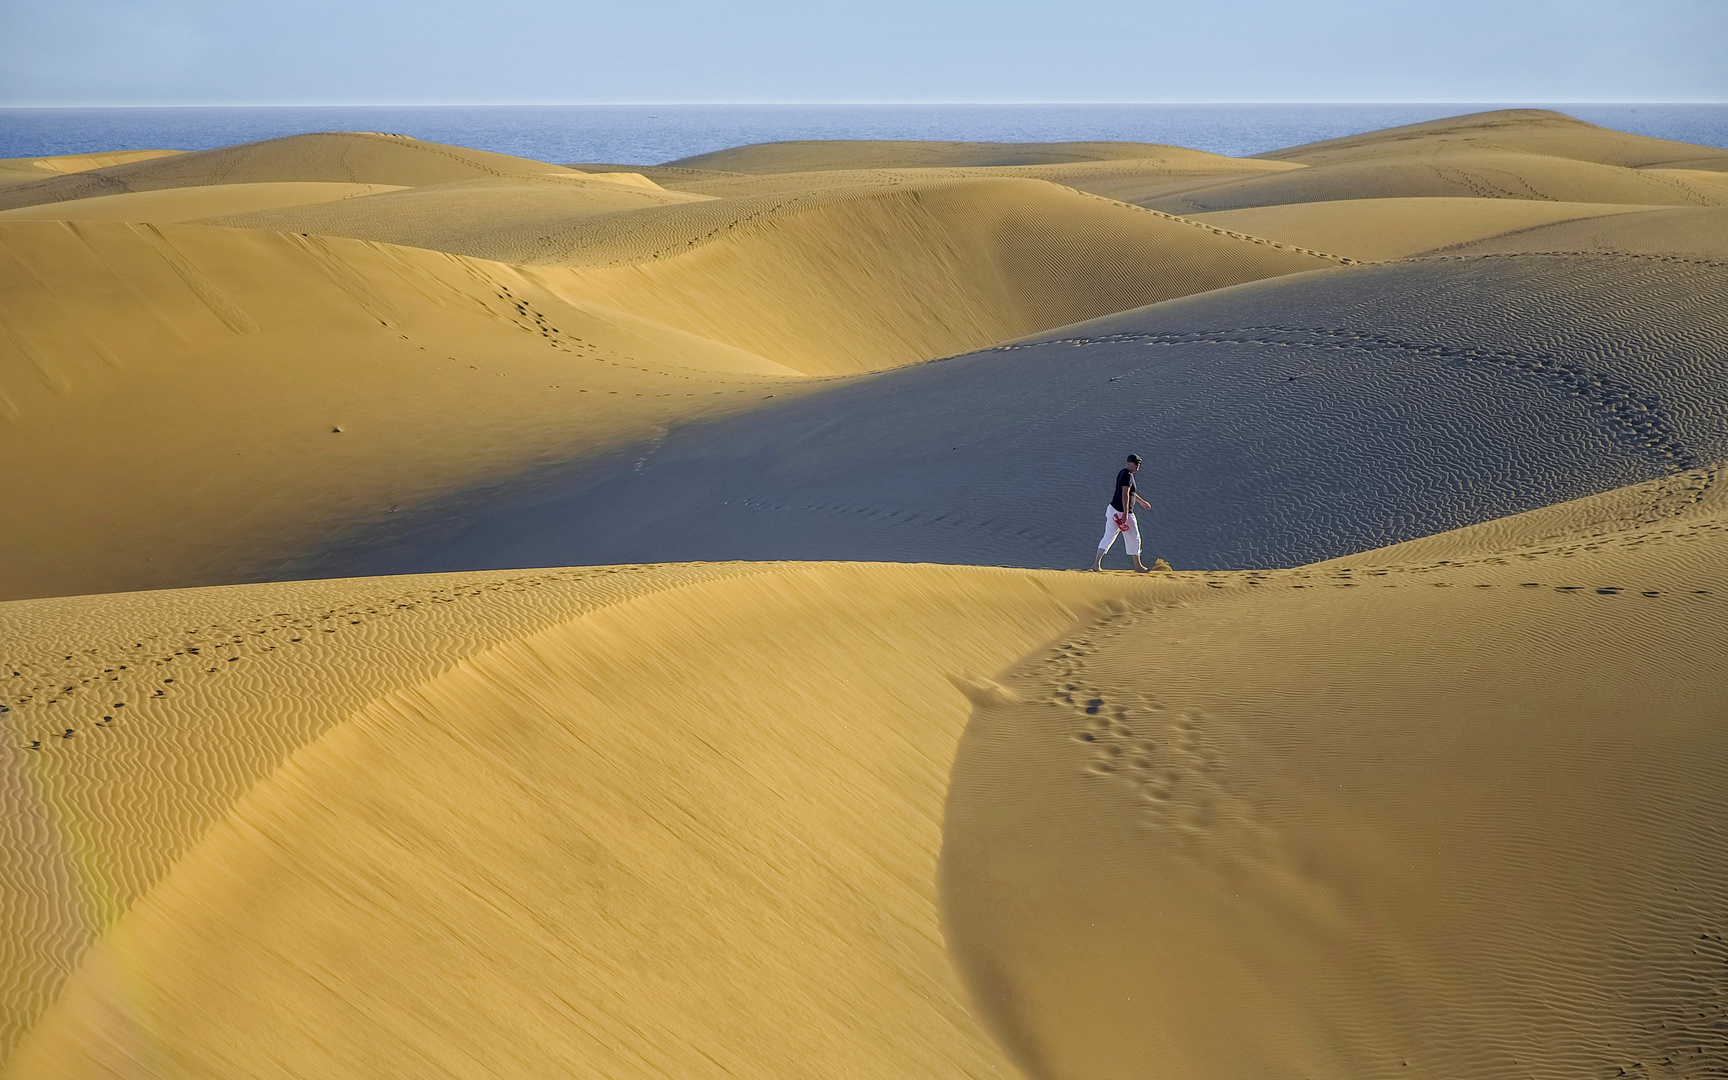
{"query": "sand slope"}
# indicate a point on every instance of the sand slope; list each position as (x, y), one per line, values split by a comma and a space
(736, 771)
(234, 354)
(509, 220)
(1431, 819)
(702, 805)
(1531, 131)
(1450, 172)
(1524, 154)
(169, 394)
(860, 279)
(1378, 229)
(353, 157)
(25, 170)
(1283, 422)
(169, 205)
(1694, 233)
(1137, 181)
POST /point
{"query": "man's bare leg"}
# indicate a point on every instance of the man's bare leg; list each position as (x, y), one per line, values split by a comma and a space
(1140, 566)
(1098, 564)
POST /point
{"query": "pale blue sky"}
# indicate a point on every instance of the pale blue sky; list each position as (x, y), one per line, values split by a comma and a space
(199, 52)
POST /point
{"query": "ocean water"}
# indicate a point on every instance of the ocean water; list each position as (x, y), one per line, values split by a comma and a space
(652, 134)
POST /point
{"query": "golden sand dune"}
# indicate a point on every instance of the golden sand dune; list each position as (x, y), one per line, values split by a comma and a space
(1513, 154)
(24, 170)
(1693, 232)
(1378, 229)
(734, 771)
(850, 280)
(1130, 180)
(1679, 498)
(234, 354)
(354, 157)
(1454, 819)
(192, 381)
(510, 220)
(700, 809)
(1529, 131)
(168, 205)
(1451, 171)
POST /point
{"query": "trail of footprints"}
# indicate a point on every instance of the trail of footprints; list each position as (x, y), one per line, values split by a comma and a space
(94, 687)
(1168, 757)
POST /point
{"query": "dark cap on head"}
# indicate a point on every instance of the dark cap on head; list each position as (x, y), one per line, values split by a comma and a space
(1134, 458)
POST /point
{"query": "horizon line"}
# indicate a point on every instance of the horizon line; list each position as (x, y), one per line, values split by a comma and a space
(1504, 103)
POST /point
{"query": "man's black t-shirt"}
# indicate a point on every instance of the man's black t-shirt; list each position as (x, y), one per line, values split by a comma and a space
(1125, 478)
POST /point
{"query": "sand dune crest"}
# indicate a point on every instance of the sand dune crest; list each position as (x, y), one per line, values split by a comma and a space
(1531, 131)
(741, 776)
(338, 157)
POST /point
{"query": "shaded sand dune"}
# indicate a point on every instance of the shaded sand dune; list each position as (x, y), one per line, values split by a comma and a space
(234, 355)
(354, 157)
(711, 811)
(1439, 819)
(1283, 422)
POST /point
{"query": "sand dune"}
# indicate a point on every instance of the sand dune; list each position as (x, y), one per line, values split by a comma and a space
(169, 205)
(868, 278)
(765, 812)
(713, 798)
(1690, 232)
(1367, 820)
(1133, 181)
(506, 220)
(190, 381)
(1379, 229)
(1450, 172)
(353, 157)
(1530, 131)
(24, 170)
(1515, 154)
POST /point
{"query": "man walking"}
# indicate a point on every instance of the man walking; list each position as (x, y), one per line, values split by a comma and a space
(1119, 516)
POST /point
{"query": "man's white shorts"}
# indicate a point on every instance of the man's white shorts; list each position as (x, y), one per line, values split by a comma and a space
(1130, 538)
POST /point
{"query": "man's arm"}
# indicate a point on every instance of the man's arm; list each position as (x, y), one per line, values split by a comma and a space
(1126, 498)
(1141, 501)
